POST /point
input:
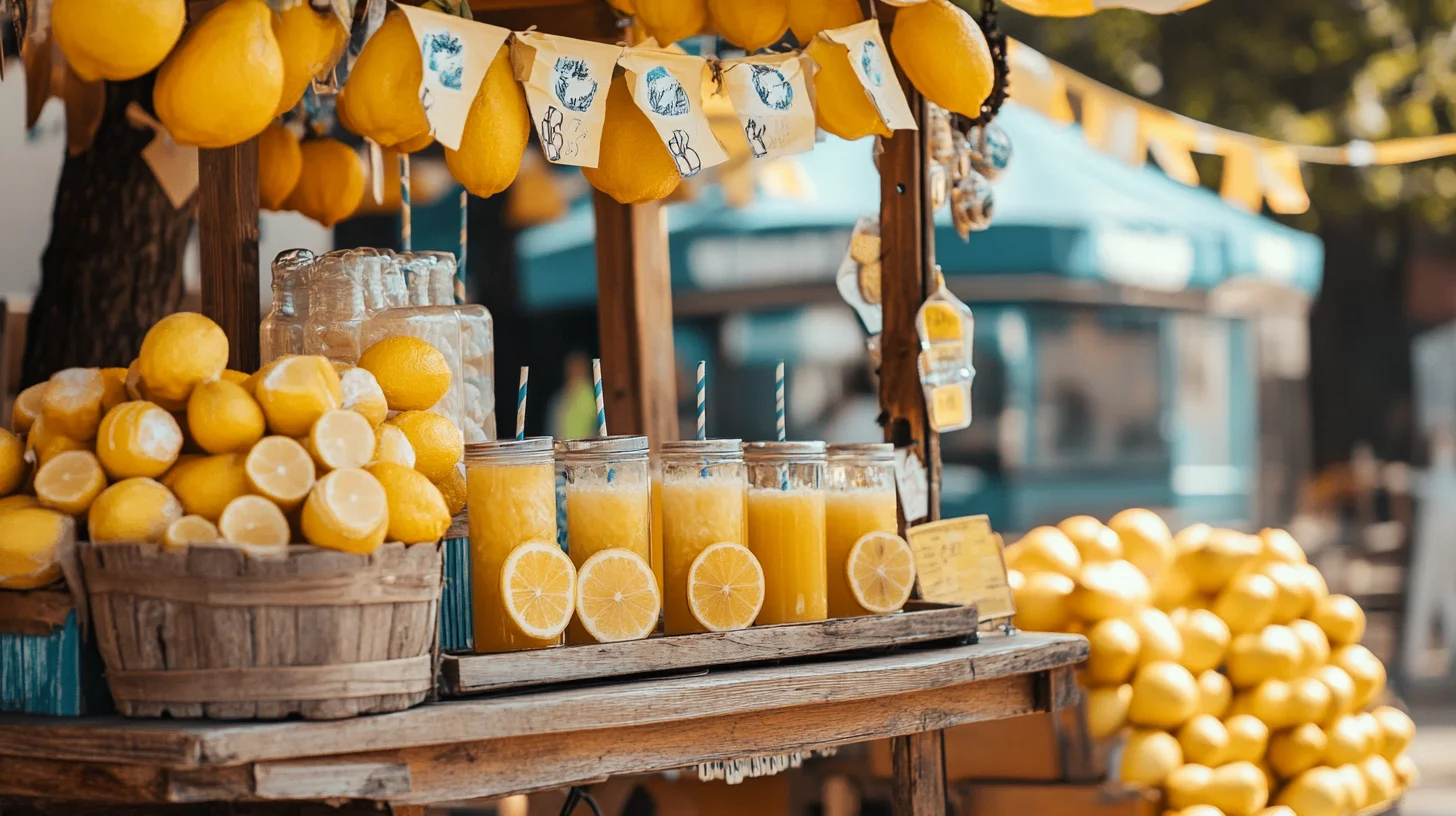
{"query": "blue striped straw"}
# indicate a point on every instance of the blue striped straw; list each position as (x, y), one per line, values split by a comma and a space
(406, 240)
(601, 406)
(460, 259)
(779, 402)
(702, 400)
(521, 404)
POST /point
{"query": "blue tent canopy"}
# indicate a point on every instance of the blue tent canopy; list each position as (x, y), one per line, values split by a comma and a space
(1063, 208)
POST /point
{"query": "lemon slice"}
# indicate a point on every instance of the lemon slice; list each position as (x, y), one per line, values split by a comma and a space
(881, 571)
(363, 395)
(190, 530)
(341, 439)
(27, 407)
(253, 520)
(725, 587)
(72, 405)
(538, 587)
(348, 510)
(70, 481)
(391, 445)
(616, 596)
(280, 469)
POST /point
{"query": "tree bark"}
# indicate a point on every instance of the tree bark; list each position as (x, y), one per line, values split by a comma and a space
(113, 266)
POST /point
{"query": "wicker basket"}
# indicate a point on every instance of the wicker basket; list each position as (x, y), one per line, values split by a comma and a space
(216, 632)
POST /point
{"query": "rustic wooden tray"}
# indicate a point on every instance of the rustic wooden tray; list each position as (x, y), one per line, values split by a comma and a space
(920, 622)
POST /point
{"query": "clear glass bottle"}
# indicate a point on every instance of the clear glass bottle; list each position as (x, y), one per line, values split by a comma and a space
(786, 528)
(336, 306)
(511, 499)
(281, 331)
(859, 498)
(608, 501)
(701, 501)
(477, 371)
(396, 291)
(417, 277)
(440, 327)
(442, 277)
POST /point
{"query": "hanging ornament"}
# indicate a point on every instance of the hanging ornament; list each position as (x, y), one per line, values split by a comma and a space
(941, 134)
(990, 150)
(937, 177)
(961, 160)
(972, 205)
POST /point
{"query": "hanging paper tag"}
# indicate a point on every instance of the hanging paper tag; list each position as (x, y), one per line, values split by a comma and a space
(668, 87)
(771, 96)
(456, 54)
(960, 561)
(174, 166)
(566, 86)
(858, 278)
(913, 484)
(947, 332)
(871, 62)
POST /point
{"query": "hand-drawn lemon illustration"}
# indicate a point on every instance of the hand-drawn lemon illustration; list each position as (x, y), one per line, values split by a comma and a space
(446, 58)
(574, 85)
(665, 95)
(872, 62)
(772, 86)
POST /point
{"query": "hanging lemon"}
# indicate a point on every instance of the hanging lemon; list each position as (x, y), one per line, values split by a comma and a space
(842, 107)
(750, 24)
(331, 184)
(809, 17)
(944, 53)
(116, 39)
(668, 21)
(280, 163)
(496, 131)
(311, 42)
(634, 166)
(222, 84)
(381, 98)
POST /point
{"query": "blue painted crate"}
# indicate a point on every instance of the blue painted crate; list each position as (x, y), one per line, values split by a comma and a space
(56, 673)
(456, 627)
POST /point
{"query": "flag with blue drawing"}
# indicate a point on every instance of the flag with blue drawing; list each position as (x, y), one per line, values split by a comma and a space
(870, 61)
(668, 87)
(770, 94)
(455, 53)
(567, 82)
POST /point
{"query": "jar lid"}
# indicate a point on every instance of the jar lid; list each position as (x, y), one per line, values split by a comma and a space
(709, 446)
(603, 444)
(866, 450)
(783, 450)
(509, 447)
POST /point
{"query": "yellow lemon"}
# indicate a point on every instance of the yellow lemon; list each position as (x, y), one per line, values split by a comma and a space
(1396, 731)
(363, 395)
(29, 556)
(668, 21)
(1107, 709)
(391, 445)
(1374, 734)
(182, 350)
(1314, 645)
(1191, 539)
(70, 482)
(113, 382)
(1247, 603)
(295, 391)
(1248, 738)
(436, 441)
(223, 418)
(881, 571)
(331, 184)
(1341, 618)
(1279, 545)
(634, 166)
(842, 106)
(1214, 693)
(138, 439)
(1146, 540)
(1316, 792)
(381, 98)
(280, 469)
(255, 521)
(725, 587)
(1042, 602)
(496, 131)
(206, 486)
(1093, 539)
(452, 488)
(616, 596)
(412, 373)
(1295, 593)
(1270, 702)
(189, 530)
(1357, 790)
(341, 439)
(417, 511)
(41, 445)
(1159, 637)
(280, 163)
(12, 463)
(347, 510)
(1295, 751)
(310, 43)
(809, 17)
(1164, 695)
(1274, 652)
(1309, 700)
(1364, 668)
(133, 510)
(116, 39)
(1205, 638)
(1406, 772)
(72, 404)
(1342, 691)
(1222, 557)
(1348, 742)
(1045, 549)
(750, 24)
(1380, 779)
(27, 407)
(1176, 589)
(1149, 756)
(1187, 786)
(1204, 740)
(1238, 789)
(221, 85)
(945, 54)
(1115, 645)
(1110, 589)
(18, 502)
(1200, 810)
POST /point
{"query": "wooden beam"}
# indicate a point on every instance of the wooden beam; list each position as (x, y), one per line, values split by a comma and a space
(907, 241)
(919, 784)
(227, 218)
(634, 312)
(580, 19)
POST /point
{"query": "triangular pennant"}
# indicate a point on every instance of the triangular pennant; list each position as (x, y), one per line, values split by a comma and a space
(567, 82)
(1283, 183)
(455, 53)
(668, 88)
(1240, 185)
(770, 94)
(870, 60)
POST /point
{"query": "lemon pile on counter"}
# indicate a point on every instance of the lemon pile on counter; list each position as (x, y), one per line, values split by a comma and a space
(178, 450)
(1239, 680)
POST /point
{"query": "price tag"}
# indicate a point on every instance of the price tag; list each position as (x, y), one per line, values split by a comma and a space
(959, 561)
(948, 407)
(914, 485)
(942, 323)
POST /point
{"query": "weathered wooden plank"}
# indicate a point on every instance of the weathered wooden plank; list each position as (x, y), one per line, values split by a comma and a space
(727, 694)
(580, 19)
(227, 218)
(36, 613)
(923, 622)
(331, 778)
(919, 783)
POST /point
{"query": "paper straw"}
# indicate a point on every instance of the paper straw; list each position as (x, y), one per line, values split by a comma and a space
(521, 404)
(779, 402)
(405, 239)
(601, 406)
(460, 258)
(702, 400)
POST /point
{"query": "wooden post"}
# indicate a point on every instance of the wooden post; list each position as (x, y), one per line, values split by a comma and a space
(634, 310)
(227, 219)
(919, 763)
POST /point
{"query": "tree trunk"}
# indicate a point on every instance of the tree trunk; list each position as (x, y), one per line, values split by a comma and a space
(113, 266)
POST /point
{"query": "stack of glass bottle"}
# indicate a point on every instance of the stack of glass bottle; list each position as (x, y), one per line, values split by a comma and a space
(340, 303)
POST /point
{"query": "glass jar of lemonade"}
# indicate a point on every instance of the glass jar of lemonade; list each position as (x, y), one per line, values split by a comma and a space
(511, 495)
(786, 528)
(608, 501)
(702, 504)
(859, 498)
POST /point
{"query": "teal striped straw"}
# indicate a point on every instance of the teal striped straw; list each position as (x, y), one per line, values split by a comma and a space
(406, 240)
(601, 406)
(460, 260)
(521, 404)
(779, 402)
(702, 400)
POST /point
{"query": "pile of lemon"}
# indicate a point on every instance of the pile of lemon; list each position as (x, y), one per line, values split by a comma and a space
(178, 450)
(1239, 680)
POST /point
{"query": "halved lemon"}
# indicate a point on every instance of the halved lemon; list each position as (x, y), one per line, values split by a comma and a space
(280, 469)
(254, 520)
(881, 571)
(70, 481)
(538, 587)
(190, 530)
(725, 587)
(341, 439)
(616, 596)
